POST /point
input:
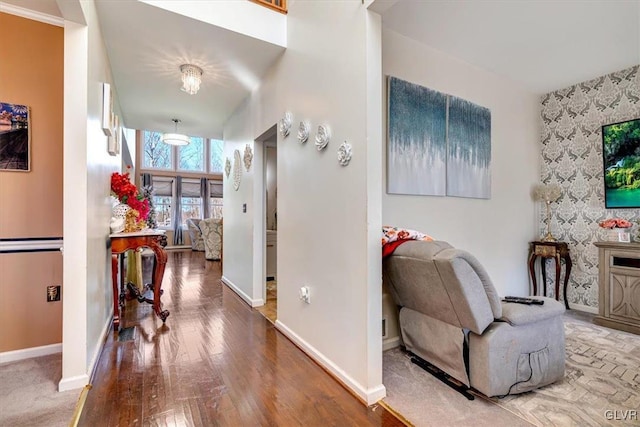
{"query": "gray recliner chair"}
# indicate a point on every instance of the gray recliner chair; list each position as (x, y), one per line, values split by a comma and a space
(452, 317)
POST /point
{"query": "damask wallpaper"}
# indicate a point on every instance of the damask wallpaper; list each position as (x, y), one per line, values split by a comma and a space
(572, 157)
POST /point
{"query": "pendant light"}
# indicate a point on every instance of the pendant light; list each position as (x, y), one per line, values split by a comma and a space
(175, 138)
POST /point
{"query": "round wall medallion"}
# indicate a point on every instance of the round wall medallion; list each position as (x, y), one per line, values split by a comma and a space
(248, 156)
(227, 167)
(344, 154)
(285, 124)
(237, 169)
(303, 131)
(322, 137)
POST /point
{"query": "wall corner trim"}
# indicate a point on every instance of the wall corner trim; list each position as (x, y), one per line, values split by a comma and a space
(252, 302)
(31, 14)
(368, 396)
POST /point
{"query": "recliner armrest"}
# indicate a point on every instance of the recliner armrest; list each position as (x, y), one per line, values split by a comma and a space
(522, 314)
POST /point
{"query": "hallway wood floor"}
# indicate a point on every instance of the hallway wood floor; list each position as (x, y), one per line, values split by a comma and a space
(216, 362)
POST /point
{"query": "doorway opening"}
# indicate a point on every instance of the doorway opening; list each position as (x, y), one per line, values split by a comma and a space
(269, 177)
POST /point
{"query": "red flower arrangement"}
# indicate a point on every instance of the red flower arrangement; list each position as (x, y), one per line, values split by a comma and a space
(615, 223)
(127, 193)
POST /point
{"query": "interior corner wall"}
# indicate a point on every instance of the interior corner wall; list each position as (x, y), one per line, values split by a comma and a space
(322, 206)
(495, 230)
(572, 121)
(88, 166)
(31, 202)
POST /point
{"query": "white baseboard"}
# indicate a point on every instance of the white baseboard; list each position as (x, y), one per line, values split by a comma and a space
(389, 343)
(252, 302)
(73, 383)
(586, 308)
(28, 353)
(370, 396)
(97, 351)
(80, 381)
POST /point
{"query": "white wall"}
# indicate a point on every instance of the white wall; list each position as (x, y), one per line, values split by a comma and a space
(496, 231)
(87, 171)
(328, 74)
(272, 186)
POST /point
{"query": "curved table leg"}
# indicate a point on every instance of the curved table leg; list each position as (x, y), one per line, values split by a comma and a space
(116, 299)
(568, 265)
(543, 264)
(532, 272)
(557, 258)
(158, 273)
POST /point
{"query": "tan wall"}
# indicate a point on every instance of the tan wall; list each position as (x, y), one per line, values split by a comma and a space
(31, 73)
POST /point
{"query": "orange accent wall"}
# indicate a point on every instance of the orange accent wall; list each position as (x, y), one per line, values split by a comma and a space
(31, 73)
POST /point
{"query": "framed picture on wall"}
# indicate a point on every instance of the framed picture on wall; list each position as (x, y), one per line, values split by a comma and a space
(15, 137)
(621, 164)
(107, 110)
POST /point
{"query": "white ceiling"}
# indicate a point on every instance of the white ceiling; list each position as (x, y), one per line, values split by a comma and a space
(543, 45)
(146, 46)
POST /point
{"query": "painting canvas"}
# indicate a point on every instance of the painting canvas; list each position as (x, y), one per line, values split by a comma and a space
(438, 145)
(621, 161)
(469, 150)
(14, 137)
(417, 151)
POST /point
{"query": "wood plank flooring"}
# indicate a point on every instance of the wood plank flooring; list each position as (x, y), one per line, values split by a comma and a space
(216, 362)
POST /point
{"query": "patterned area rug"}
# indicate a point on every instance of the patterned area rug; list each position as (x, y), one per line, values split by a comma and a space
(601, 387)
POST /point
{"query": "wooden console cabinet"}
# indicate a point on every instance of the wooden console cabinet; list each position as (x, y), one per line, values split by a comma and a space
(619, 286)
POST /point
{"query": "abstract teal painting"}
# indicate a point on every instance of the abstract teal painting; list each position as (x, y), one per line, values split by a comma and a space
(417, 150)
(438, 145)
(469, 150)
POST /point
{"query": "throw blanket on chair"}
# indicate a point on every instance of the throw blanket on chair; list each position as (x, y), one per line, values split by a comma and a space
(392, 237)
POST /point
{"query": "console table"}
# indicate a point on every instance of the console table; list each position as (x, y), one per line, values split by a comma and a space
(122, 242)
(558, 251)
(619, 286)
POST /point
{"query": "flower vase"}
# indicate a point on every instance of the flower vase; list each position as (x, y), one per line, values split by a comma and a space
(120, 210)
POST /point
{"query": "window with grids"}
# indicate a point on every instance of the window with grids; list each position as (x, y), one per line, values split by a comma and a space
(215, 199)
(163, 200)
(191, 202)
(200, 156)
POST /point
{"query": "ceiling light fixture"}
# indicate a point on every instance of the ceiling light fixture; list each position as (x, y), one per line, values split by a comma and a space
(191, 78)
(175, 138)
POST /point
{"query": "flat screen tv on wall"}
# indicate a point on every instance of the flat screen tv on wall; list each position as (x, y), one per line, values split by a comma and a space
(621, 159)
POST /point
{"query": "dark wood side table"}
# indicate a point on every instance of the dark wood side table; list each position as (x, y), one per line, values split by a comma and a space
(556, 250)
(155, 240)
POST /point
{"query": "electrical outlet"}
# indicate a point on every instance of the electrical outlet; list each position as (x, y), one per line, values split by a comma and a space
(305, 294)
(53, 293)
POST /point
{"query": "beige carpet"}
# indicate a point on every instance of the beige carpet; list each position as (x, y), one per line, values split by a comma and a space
(602, 374)
(29, 396)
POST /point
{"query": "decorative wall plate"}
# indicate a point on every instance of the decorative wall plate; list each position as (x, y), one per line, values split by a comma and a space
(344, 154)
(303, 131)
(285, 124)
(248, 156)
(322, 137)
(237, 169)
(227, 167)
